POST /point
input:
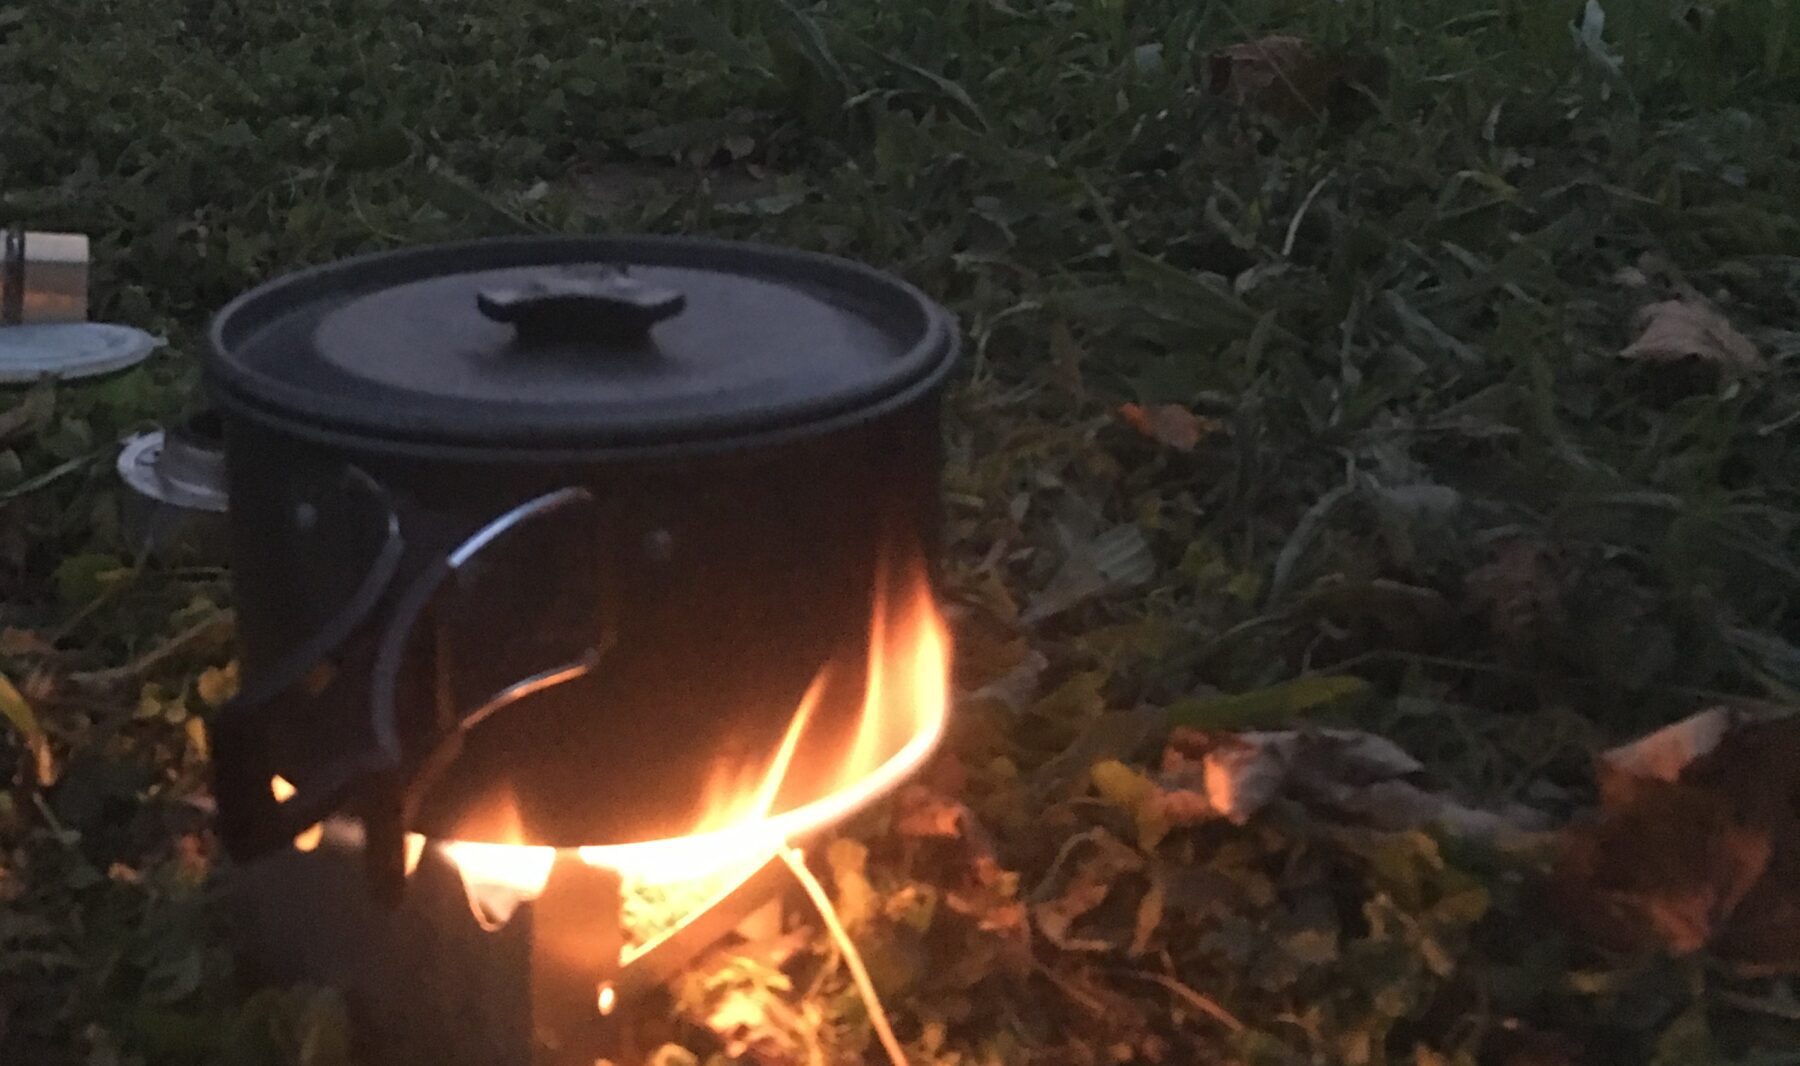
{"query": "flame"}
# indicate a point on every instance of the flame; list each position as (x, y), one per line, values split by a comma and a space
(499, 877)
(902, 719)
(283, 790)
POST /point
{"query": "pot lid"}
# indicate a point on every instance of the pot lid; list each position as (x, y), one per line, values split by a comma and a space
(67, 350)
(579, 342)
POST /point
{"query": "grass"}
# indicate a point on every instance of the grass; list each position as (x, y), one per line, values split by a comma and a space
(1402, 301)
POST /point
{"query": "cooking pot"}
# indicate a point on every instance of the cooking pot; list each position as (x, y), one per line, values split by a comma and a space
(533, 538)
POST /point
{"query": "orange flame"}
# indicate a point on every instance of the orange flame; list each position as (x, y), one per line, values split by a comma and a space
(902, 720)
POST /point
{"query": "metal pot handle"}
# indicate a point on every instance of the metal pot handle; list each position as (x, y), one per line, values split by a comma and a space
(386, 773)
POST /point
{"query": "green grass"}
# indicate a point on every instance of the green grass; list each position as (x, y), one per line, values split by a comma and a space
(1403, 306)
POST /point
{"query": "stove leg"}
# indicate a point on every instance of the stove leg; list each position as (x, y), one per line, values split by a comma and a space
(575, 944)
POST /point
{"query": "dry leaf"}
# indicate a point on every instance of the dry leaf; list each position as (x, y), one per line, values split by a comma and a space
(925, 813)
(1117, 559)
(1170, 424)
(1018, 686)
(1673, 330)
(1279, 74)
(1056, 917)
(14, 641)
(1133, 792)
(1234, 776)
(1517, 590)
(1664, 754)
(1697, 844)
(218, 684)
(1149, 913)
(1665, 871)
(1104, 860)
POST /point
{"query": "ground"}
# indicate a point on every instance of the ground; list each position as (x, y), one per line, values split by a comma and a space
(1309, 382)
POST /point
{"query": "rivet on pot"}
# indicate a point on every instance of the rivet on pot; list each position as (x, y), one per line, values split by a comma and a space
(306, 516)
(659, 544)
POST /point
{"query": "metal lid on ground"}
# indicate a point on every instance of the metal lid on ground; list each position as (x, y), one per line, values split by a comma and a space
(575, 343)
(70, 350)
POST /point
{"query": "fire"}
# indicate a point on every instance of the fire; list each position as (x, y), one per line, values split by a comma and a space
(901, 721)
(283, 790)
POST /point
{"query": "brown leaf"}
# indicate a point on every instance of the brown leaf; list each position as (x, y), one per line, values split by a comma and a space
(1756, 766)
(1518, 590)
(1697, 845)
(15, 641)
(1673, 330)
(1763, 936)
(1149, 913)
(1663, 755)
(1055, 918)
(1665, 871)
(925, 813)
(1279, 74)
(1170, 424)
(1104, 860)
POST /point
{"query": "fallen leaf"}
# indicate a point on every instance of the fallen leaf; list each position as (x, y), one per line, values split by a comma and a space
(1697, 844)
(1150, 912)
(1665, 871)
(1056, 917)
(217, 684)
(1103, 860)
(925, 813)
(1018, 686)
(1234, 776)
(1170, 424)
(1518, 590)
(17, 710)
(14, 641)
(1136, 794)
(1673, 330)
(1664, 754)
(1763, 935)
(1116, 559)
(856, 899)
(1280, 74)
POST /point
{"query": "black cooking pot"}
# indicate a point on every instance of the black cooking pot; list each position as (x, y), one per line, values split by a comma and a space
(534, 537)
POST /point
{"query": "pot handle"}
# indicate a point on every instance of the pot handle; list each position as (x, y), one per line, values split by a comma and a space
(345, 680)
(451, 720)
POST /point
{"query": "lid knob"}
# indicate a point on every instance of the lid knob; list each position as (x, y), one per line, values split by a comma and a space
(582, 304)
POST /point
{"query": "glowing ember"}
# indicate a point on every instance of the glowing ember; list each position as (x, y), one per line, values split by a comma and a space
(901, 721)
